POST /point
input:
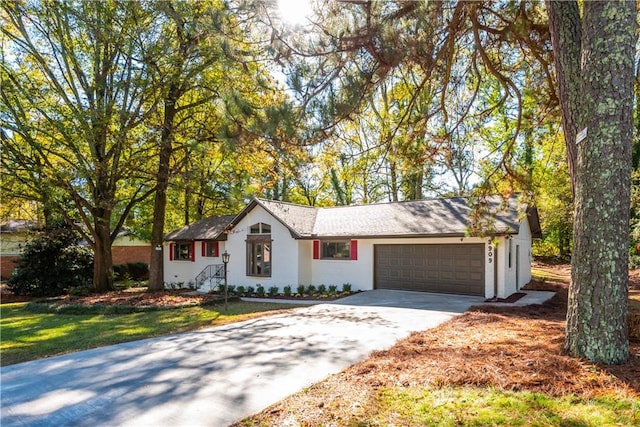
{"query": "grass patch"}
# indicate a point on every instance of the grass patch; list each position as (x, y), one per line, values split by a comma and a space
(480, 406)
(544, 275)
(29, 336)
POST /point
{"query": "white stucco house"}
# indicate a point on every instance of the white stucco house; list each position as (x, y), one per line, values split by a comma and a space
(415, 245)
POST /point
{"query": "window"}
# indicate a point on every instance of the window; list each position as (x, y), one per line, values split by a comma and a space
(259, 250)
(182, 251)
(259, 257)
(336, 250)
(260, 228)
(210, 249)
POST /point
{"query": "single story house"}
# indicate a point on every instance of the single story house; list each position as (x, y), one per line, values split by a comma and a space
(414, 245)
(14, 235)
(127, 247)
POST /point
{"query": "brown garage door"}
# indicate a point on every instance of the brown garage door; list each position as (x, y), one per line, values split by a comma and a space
(455, 268)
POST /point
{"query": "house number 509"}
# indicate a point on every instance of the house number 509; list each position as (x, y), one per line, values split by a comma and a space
(490, 253)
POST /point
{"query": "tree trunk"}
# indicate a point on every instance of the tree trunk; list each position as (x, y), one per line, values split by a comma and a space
(393, 187)
(156, 267)
(102, 257)
(597, 311)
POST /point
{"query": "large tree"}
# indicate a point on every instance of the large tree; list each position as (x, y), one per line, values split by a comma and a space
(505, 47)
(73, 100)
(594, 57)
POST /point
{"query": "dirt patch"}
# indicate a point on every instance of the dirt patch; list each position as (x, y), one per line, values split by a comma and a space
(508, 348)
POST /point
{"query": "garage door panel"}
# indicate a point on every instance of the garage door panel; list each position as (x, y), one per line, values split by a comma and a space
(450, 268)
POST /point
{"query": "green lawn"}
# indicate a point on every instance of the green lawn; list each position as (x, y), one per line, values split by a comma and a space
(27, 336)
(472, 406)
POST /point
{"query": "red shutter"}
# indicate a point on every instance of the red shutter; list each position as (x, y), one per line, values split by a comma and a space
(204, 249)
(216, 248)
(354, 250)
(170, 251)
(316, 249)
(193, 250)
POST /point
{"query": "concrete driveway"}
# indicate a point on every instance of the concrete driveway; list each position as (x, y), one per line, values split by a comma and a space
(218, 375)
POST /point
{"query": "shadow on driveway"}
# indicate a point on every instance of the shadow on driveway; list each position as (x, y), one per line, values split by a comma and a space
(218, 375)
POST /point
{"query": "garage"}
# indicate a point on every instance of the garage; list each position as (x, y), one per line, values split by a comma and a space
(446, 268)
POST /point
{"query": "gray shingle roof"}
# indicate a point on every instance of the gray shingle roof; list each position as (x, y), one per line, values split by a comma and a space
(431, 217)
(206, 229)
(299, 219)
(420, 218)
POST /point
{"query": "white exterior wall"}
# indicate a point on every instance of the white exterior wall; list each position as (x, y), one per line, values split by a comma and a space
(186, 271)
(284, 253)
(360, 273)
(513, 275)
(292, 260)
(305, 259)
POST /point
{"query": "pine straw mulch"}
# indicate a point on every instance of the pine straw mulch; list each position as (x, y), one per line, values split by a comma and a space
(140, 297)
(135, 297)
(507, 348)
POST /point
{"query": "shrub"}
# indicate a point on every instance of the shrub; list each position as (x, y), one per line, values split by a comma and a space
(311, 290)
(231, 289)
(273, 291)
(300, 289)
(51, 264)
(346, 287)
(287, 290)
(138, 270)
(119, 271)
(322, 289)
(260, 290)
(241, 290)
(333, 289)
(250, 290)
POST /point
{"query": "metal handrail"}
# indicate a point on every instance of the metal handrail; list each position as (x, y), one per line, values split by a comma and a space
(211, 271)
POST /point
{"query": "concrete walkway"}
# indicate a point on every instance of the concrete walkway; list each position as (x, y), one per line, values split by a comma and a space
(215, 376)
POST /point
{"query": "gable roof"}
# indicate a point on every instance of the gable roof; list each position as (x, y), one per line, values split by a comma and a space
(440, 217)
(419, 218)
(206, 229)
(299, 219)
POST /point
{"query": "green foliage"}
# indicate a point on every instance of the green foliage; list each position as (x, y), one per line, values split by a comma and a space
(273, 290)
(51, 265)
(300, 289)
(346, 287)
(260, 290)
(241, 290)
(286, 290)
(311, 290)
(131, 270)
(333, 289)
(251, 290)
(322, 289)
(552, 188)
